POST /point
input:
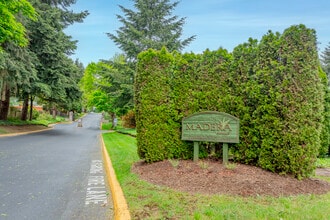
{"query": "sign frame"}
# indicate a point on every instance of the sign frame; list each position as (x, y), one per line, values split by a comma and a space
(210, 126)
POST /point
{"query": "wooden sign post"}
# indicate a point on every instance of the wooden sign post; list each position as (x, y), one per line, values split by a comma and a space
(211, 126)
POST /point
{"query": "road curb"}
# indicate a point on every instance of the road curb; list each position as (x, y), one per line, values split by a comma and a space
(121, 211)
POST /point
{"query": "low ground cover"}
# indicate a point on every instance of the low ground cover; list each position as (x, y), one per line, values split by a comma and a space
(153, 201)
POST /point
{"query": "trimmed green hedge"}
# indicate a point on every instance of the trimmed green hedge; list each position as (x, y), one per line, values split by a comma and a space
(272, 86)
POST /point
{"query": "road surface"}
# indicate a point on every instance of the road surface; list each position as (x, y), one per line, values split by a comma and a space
(55, 174)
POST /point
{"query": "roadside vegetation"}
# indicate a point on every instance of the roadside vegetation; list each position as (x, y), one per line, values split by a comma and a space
(148, 201)
(43, 119)
(119, 128)
(323, 162)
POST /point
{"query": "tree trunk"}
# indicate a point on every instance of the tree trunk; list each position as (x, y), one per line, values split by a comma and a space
(31, 107)
(25, 107)
(4, 102)
(113, 120)
(54, 111)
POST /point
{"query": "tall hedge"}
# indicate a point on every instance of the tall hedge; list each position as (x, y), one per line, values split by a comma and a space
(289, 112)
(272, 86)
(325, 134)
(157, 133)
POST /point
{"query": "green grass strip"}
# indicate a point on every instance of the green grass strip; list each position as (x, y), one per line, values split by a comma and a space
(147, 201)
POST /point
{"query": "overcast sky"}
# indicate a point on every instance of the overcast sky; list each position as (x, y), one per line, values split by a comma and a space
(216, 23)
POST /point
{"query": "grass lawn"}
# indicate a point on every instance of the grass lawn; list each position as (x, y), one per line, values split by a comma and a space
(147, 201)
(119, 128)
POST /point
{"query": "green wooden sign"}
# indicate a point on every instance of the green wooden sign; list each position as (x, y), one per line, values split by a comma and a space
(211, 126)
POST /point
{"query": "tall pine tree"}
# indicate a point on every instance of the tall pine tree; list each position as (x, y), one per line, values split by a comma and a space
(16, 61)
(152, 25)
(57, 73)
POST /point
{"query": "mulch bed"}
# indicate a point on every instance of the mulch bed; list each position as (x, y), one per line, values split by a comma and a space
(212, 177)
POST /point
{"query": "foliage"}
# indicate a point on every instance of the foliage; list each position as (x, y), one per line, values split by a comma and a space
(150, 26)
(106, 126)
(41, 119)
(86, 83)
(121, 79)
(289, 102)
(325, 58)
(323, 162)
(18, 74)
(273, 87)
(158, 134)
(58, 75)
(325, 135)
(11, 28)
(100, 100)
(108, 86)
(128, 120)
(43, 68)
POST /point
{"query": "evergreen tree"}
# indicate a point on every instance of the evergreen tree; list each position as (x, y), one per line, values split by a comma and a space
(150, 26)
(57, 73)
(16, 63)
(326, 60)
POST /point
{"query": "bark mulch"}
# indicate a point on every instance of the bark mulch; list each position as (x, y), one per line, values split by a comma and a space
(212, 177)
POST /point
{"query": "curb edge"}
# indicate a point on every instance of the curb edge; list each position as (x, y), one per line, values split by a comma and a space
(121, 211)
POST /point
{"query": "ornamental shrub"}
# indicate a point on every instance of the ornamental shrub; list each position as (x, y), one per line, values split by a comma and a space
(128, 120)
(272, 86)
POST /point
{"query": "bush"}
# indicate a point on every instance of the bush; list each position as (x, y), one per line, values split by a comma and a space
(128, 120)
(273, 87)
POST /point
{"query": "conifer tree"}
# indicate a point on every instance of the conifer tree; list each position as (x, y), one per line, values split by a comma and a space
(16, 61)
(326, 60)
(57, 74)
(151, 25)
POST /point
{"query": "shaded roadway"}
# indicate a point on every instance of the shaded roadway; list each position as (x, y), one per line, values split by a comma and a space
(44, 175)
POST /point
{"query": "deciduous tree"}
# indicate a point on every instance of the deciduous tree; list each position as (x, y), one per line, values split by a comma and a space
(11, 28)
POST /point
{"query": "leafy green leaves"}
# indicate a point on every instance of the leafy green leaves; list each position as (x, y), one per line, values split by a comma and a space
(113, 79)
(11, 29)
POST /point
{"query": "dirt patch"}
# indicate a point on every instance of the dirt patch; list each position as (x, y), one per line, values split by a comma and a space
(10, 129)
(212, 177)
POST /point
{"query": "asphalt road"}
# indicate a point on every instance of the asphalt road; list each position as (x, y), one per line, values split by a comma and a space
(55, 174)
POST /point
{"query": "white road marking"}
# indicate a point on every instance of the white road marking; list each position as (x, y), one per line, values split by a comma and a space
(96, 191)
